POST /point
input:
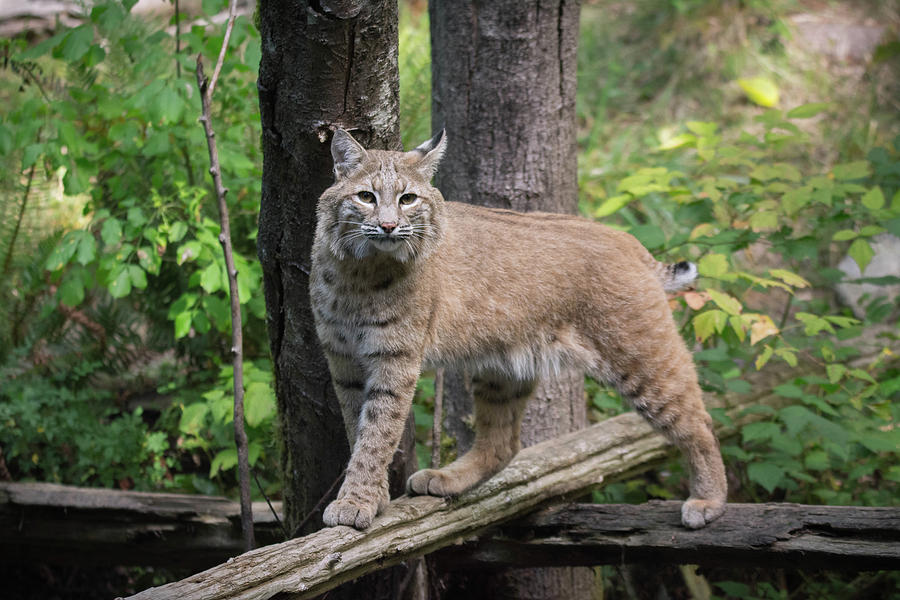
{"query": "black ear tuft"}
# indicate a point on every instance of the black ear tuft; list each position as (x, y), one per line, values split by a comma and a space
(431, 153)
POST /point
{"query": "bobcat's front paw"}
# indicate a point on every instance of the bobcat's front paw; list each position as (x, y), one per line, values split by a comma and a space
(434, 482)
(353, 512)
(697, 512)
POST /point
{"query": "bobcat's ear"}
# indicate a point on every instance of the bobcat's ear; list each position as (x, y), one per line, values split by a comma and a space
(431, 153)
(347, 154)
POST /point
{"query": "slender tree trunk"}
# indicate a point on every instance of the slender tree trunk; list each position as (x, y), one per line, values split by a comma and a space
(503, 85)
(325, 64)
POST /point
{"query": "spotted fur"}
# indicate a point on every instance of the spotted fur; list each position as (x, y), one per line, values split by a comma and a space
(402, 279)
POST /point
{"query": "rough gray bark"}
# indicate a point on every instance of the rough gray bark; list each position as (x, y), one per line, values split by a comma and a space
(59, 524)
(503, 85)
(748, 535)
(325, 64)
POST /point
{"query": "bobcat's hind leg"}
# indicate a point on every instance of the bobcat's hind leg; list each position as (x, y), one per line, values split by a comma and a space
(499, 406)
(670, 399)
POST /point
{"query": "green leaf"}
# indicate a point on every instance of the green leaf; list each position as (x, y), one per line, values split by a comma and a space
(702, 128)
(789, 278)
(713, 265)
(765, 474)
(77, 42)
(650, 236)
(817, 460)
(844, 235)
(795, 418)
(761, 430)
(259, 403)
(188, 251)
(873, 199)
(764, 357)
(39, 50)
(183, 324)
(63, 252)
(764, 220)
(760, 90)
(806, 111)
(677, 141)
(788, 390)
(796, 199)
(813, 324)
(870, 230)
(611, 205)
(835, 372)
(862, 253)
(71, 291)
(138, 277)
(193, 418)
(87, 249)
(223, 461)
(169, 105)
(111, 231)
(31, 154)
(120, 284)
(853, 170)
(211, 278)
(177, 231)
(219, 311)
(709, 322)
(725, 302)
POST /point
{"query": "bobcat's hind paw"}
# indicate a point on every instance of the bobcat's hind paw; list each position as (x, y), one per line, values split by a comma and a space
(434, 482)
(697, 512)
(354, 513)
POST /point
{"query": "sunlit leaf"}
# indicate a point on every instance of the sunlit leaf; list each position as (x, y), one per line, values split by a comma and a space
(853, 170)
(873, 199)
(259, 403)
(760, 90)
(789, 278)
(862, 253)
(725, 302)
(713, 265)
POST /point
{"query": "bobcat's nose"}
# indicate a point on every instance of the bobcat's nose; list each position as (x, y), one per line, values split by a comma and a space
(388, 227)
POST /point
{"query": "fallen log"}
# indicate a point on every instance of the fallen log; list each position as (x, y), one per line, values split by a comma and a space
(552, 471)
(748, 535)
(556, 469)
(59, 524)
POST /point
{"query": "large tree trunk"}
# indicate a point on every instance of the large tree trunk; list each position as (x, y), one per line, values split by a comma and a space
(503, 85)
(325, 64)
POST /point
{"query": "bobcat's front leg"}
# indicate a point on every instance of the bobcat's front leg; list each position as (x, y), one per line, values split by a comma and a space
(387, 397)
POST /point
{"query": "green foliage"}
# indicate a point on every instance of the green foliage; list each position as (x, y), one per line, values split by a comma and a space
(67, 432)
(104, 117)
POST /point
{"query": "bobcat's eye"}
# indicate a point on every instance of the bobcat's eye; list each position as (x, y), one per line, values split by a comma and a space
(408, 198)
(366, 196)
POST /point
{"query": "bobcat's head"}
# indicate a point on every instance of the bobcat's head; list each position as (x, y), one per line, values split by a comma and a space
(382, 201)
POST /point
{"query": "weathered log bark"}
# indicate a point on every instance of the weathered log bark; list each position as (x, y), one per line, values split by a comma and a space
(503, 85)
(559, 468)
(48, 523)
(748, 535)
(325, 64)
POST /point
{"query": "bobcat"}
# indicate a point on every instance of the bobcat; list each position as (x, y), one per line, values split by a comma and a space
(402, 278)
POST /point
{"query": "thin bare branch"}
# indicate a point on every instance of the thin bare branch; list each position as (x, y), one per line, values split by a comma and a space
(232, 12)
(240, 435)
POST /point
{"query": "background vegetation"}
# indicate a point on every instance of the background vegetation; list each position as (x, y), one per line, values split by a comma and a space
(707, 129)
